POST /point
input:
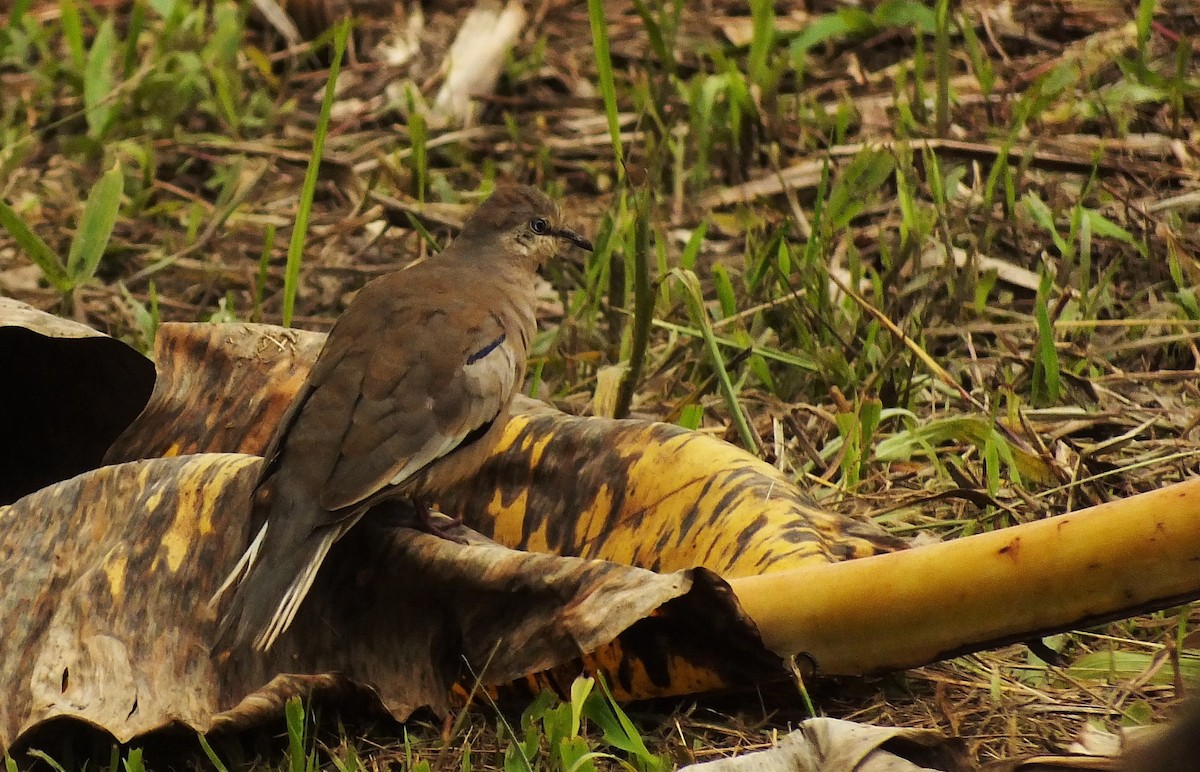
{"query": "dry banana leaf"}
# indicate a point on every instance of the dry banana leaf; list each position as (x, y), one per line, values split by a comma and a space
(107, 578)
(102, 565)
(67, 392)
(662, 498)
(594, 488)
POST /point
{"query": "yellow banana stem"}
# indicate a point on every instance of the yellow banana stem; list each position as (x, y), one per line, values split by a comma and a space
(916, 606)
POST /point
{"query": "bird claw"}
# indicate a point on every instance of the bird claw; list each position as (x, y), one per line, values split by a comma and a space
(441, 525)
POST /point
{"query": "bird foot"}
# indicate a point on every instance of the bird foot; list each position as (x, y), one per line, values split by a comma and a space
(439, 525)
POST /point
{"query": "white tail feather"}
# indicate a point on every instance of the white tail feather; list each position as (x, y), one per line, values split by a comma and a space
(296, 592)
(244, 564)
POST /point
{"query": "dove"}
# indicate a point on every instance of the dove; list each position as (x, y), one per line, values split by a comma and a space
(407, 398)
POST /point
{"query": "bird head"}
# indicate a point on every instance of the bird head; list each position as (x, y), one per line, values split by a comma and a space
(527, 224)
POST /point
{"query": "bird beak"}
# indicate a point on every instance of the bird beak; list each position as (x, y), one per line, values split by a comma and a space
(573, 237)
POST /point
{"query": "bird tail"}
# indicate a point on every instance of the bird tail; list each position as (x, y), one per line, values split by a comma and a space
(244, 564)
(275, 573)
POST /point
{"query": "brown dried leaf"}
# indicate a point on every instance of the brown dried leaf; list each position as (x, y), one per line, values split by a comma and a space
(103, 563)
(108, 576)
(638, 493)
(68, 393)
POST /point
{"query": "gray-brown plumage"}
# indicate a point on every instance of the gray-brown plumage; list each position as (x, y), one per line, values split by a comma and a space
(407, 397)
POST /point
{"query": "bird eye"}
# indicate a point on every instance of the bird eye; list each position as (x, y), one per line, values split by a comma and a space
(539, 226)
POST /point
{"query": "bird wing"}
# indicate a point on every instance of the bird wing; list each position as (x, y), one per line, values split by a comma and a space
(430, 378)
(334, 370)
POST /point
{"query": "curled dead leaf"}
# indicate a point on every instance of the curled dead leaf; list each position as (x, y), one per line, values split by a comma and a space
(73, 391)
(108, 576)
(400, 614)
(634, 492)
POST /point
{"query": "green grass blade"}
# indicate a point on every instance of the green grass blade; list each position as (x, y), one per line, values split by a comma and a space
(145, 316)
(827, 27)
(643, 305)
(95, 226)
(981, 65)
(294, 717)
(164, 8)
(695, 301)
(1046, 383)
(98, 80)
(654, 35)
(418, 133)
(619, 731)
(1145, 18)
(39, 253)
(17, 12)
(691, 417)
(775, 355)
(133, 762)
(45, 757)
(581, 687)
(137, 22)
(16, 16)
(72, 28)
(726, 294)
(213, 758)
(941, 66)
(423, 232)
(691, 251)
(762, 41)
(291, 277)
(608, 88)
